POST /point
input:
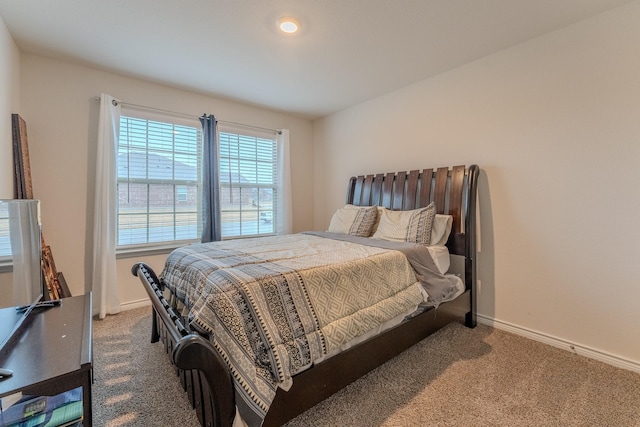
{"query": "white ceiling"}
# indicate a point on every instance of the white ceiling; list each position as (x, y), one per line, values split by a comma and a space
(347, 51)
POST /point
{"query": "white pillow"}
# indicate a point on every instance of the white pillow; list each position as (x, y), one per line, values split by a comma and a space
(441, 229)
(354, 220)
(406, 226)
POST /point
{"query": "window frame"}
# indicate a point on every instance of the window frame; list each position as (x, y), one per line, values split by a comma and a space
(245, 131)
(152, 248)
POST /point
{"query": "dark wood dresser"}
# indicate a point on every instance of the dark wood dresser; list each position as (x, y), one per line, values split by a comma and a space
(53, 353)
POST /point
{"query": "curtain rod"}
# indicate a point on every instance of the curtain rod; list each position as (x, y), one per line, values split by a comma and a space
(190, 116)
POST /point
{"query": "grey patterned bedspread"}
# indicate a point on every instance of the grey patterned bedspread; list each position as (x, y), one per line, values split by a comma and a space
(274, 305)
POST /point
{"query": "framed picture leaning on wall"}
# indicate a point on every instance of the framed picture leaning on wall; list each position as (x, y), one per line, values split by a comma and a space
(56, 286)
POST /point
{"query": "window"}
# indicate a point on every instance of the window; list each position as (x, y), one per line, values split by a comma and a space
(5, 242)
(182, 192)
(20, 240)
(248, 182)
(160, 189)
(159, 180)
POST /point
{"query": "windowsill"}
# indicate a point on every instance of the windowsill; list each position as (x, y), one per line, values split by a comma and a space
(147, 251)
(125, 253)
(250, 236)
(6, 266)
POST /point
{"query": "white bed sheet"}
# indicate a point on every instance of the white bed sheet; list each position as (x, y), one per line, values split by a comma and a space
(440, 255)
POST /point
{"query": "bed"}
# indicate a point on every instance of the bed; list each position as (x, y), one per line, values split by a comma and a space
(308, 365)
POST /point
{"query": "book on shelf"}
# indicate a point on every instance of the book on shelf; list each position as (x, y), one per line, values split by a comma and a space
(64, 409)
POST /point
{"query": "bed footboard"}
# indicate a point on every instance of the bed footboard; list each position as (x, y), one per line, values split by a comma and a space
(204, 375)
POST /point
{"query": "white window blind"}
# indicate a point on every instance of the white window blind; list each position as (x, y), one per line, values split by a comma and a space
(159, 180)
(248, 182)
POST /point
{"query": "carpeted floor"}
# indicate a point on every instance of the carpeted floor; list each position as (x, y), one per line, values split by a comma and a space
(457, 377)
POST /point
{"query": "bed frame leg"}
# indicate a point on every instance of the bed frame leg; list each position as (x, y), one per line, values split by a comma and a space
(470, 270)
(471, 319)
(155, 335)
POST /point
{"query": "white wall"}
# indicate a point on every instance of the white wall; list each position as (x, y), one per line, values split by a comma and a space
(58, 106)
(9, 104)
(554, 124)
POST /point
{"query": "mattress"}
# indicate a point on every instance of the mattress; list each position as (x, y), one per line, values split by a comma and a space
(441, 257)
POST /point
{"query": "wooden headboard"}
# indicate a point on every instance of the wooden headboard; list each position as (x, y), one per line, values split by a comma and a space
(453, 191)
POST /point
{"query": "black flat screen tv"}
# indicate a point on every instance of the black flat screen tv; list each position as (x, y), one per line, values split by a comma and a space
(20, 254)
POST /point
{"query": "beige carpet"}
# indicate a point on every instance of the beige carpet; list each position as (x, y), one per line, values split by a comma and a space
(457, 377)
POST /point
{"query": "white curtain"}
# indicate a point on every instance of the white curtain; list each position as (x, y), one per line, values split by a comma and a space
(105, 281)
(284, 224)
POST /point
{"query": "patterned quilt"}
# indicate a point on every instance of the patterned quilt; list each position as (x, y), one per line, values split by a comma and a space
(274, 305)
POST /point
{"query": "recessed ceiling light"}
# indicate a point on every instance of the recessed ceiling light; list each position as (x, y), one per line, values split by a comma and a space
(288, 25)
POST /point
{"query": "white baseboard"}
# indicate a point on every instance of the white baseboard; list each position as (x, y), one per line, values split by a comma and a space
(130, 305)
(581, 350)
(591, 353)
